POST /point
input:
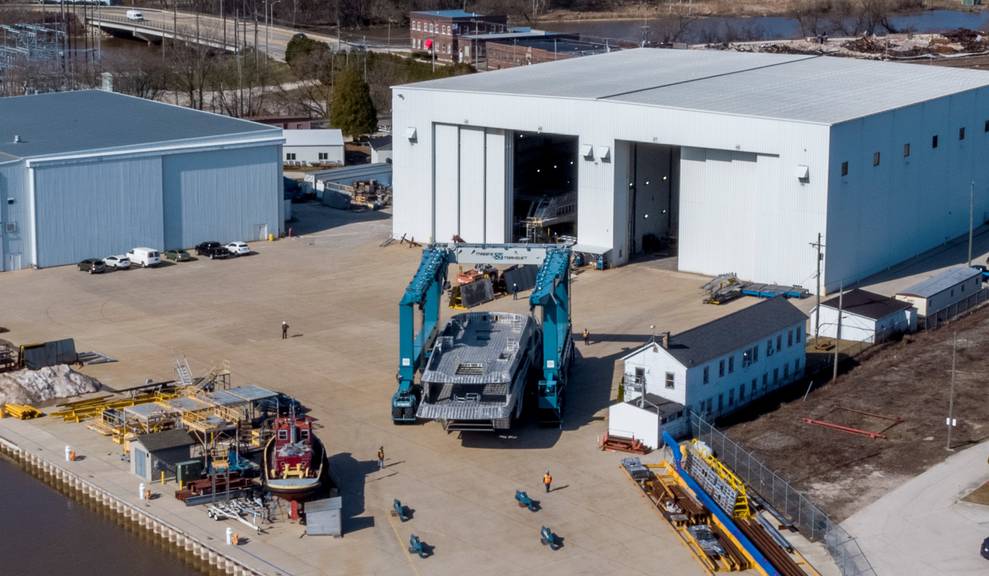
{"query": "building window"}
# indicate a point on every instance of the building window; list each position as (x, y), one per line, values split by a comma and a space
(796, 366)
(786, 372)
(986, 126)
(709, 401)
(290, 155)
(779, 341)
(731, 397)
(324, 156)
(747, 358)
(906, 150)
(875, 158)
(765, 380)
(721, 402)
(844, 168)
(707, 374)
(721, 368)
(934, 141)
(961, 133)
(769, 347)
(776, 377)
(741, 393)
(731, 364)
(789, 338)
(755, 353)
(669, 380)
(798, 331)
(753, 387)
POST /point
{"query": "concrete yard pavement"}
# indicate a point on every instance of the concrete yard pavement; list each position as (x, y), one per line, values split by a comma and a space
(923, 527)
(338, 290)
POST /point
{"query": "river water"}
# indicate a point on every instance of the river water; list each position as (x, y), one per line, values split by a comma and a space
(719, 28)
(44, 532)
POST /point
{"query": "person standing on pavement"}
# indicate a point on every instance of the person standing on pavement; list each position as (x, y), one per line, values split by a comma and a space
(547, 480)
(381, 458)
(284, 330)
(587, 337)
(515, 291)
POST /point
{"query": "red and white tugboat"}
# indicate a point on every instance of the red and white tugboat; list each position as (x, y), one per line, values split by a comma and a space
(293, 459)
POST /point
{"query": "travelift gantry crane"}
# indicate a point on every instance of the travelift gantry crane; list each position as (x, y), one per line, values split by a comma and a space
(551, 295)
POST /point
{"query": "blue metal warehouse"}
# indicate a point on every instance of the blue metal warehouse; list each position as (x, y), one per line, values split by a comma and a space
(90, 173)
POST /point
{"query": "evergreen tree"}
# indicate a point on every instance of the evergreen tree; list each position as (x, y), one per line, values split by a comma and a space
(351, 109)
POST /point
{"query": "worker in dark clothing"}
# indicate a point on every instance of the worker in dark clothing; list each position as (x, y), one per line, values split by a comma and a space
(587, 337)
(284, 330)
(547, 480)
(515, 291)
(381, 458)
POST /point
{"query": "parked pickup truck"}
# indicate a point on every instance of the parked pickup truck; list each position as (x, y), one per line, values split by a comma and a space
(212, 250)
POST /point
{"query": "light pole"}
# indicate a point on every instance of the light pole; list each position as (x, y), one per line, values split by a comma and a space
(971, 210)
(267, 23)
(950, 420)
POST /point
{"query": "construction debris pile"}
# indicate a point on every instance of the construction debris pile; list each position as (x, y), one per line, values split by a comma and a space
(957, 42)
(42, 385)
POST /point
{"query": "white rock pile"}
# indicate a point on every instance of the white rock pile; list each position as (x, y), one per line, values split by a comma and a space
(37, 386)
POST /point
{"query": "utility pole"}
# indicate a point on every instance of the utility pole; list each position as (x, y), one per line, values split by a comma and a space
(837, 339)
(971, 210)
(950, 421)
(817, 315)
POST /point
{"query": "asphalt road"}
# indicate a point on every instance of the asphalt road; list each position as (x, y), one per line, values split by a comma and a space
(271, 39)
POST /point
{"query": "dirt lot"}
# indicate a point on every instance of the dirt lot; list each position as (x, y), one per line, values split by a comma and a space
(908, 379)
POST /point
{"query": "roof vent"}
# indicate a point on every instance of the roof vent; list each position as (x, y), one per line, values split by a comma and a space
(17, 139)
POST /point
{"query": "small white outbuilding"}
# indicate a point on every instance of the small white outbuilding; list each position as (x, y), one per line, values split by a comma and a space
(313, 147)
(865, 317)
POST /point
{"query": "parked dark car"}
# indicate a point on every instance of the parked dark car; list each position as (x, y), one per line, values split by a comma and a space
(179, 255)
(212, 250)
(985, 548)
(92, 265)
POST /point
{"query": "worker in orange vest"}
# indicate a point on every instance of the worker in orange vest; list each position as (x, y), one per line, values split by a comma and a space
(547, 480)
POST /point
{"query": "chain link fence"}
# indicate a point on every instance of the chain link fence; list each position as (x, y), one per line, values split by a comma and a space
(786, 500)
(935, 320)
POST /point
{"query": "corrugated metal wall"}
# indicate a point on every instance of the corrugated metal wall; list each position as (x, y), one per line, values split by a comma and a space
(15, 244)
(223, 195)
(94, 209)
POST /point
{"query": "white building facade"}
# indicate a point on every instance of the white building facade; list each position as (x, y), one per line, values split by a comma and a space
(739, 160)
(943, 290)
(716, 368)
(865, 317)
(315, 147)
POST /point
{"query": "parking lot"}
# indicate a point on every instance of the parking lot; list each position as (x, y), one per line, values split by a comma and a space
(338, 290)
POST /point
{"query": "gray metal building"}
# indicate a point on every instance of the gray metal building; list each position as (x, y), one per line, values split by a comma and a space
(88, 174)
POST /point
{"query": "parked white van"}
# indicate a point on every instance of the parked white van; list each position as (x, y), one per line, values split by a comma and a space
(135, 15)
(144, 257)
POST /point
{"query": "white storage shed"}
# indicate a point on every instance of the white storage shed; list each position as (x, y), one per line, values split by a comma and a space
(865, 317)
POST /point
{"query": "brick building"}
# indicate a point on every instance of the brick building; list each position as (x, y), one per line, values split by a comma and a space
(509, 53)
(445, 28)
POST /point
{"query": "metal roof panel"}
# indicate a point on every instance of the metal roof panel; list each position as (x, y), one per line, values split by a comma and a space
(81, 121)
(807, 88)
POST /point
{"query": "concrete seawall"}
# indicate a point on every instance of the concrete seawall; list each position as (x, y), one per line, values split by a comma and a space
(204, 556)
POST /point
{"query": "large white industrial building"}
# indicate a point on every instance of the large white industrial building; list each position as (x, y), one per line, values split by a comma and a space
(739, 160)
(88, 174)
